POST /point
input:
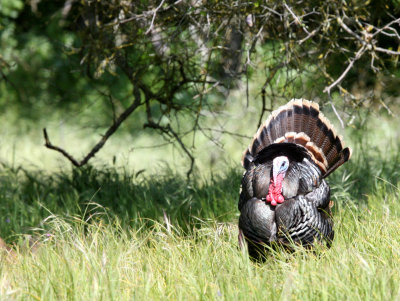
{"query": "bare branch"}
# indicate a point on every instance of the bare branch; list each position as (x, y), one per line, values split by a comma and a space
(171, 133)
(387, 51)
(227, 132)
(267, 81)
(337, 114)
(375, 69)
(310, 35)
(272, 11)
(49, 145)
(151, 146)
(111, 130)
(391, 34)
(387, 26)
(359, 54)
(206, 90)
(154, 16)
(297, 19)
(348, 30)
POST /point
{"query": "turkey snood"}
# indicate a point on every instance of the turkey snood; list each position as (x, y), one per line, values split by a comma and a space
(279, 168)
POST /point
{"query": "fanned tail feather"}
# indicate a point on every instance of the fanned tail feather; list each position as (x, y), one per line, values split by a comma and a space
(342, 158)
(301, 122)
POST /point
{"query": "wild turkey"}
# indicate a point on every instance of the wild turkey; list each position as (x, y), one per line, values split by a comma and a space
(284, 197)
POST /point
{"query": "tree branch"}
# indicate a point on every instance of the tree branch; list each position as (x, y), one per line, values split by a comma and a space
(172, 134)
(154, 16)
(387, 51)
(359, 53)
(111, 130)
(267, 81)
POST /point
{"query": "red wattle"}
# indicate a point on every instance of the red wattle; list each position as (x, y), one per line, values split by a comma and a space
(275, 191)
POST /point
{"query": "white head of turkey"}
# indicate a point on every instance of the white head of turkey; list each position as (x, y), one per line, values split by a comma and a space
(284, 197)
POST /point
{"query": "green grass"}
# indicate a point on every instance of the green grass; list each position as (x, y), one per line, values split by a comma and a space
(101, 234)
(26, 197)
(97, 258)
(112, 232)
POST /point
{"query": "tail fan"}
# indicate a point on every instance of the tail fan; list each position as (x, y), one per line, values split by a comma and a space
(301, 122)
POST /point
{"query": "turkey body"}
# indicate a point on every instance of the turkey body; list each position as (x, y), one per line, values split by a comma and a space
(301, 134)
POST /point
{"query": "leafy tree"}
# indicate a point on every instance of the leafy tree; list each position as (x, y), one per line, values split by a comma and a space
(165, 58)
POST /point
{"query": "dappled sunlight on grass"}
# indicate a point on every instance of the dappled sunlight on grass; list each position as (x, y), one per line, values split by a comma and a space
(27, 197)
(109, 231)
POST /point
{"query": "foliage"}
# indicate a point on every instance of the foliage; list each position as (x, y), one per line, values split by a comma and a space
(165, 61)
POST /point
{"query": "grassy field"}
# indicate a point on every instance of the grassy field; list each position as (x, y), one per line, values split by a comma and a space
(106, 237)
(113, 233)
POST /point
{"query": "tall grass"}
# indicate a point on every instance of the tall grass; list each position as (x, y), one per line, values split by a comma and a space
(102, 233)
(97, 258)
(27, 197)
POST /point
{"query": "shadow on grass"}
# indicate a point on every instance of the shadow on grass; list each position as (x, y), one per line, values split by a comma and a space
(26, 198)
